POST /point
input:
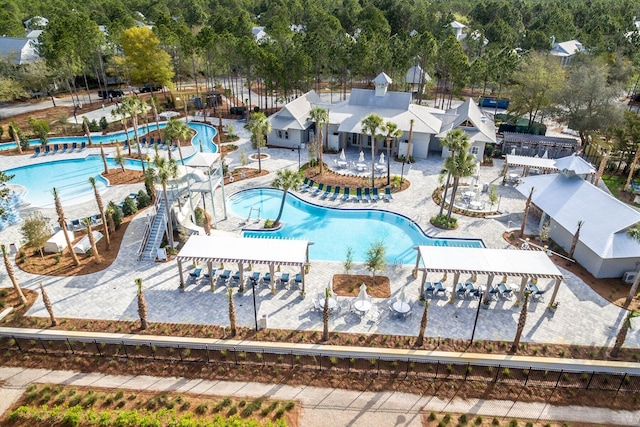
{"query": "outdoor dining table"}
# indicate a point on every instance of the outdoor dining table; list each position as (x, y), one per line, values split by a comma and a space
(332, 303)
(401, 307)
(362, 305)
(342, 164)
(475, 205)
(468, 194)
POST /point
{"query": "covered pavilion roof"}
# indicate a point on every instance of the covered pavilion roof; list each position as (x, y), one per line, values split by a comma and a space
(244, 250)
(496, 262)
(532, 162)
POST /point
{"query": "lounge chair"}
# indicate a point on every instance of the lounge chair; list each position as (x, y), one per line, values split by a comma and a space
(213, 274)
(535, 292)
(284, 279)
(493, 292)
(47, 149)
(160, 143)
(55, 148)
(266, 279)
(472, 290)
(152, 142)
(161, 254)
(367, 194)
(439, 289)
(504, 291)
(346, 194)
(387, 193)
(335, 194)
(37, 151)
(75, 224)
(74, 145)
(460, 290)
(374, 194)
(96, 219)
(327, 192)
(305, 185)
(195, 274)
(255, 276)
(298, 279)
(235, 278)
(83, 145)
(143, 140)
(65, 146)
(428, 289)
(319, 189)
(359, 194)
(224, 276)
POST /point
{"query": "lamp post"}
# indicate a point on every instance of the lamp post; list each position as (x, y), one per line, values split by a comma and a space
(255, 310)
(475, 322)
(298, 147)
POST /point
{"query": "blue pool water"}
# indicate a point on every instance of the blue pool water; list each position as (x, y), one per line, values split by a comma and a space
(204, 134)
(71, 176)
(333, 230)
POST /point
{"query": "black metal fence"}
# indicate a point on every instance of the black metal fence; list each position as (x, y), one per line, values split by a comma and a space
(405, 367)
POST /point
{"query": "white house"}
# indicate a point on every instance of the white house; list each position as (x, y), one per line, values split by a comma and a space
(20, 50)
(604, 248)
(566, 50)
(258, 33)
(291, 126)
(458, 28)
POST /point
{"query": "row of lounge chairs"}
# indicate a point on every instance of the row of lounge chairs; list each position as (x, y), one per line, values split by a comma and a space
(78, 224)
(54, 148)
(333, 193)
(225, 276)
(470, 290)
(159, 142)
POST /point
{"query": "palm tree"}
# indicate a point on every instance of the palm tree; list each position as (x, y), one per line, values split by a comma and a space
(149, 179)
(119, 158)
(423, 324)
(179, 130)
(123, 118)
(632, 168)
(410, 141)
(232, 313)
(142, 305)
(15, 131)
(12, 275)
(325, 315)
(259, 128)
(393, 132)
(92, 241)
(454, 141)
(166, 169)
(63, 226)
(370, 125)
(320, 117)
(104, 160)
(207, 223)
(463, 164)
(133, 107)
(103, 217)
(622, 333)
(154, 109)
(286, 180)
(521, 322)
(574, 242)
(48, 306)
(85, 127)
(527, 206)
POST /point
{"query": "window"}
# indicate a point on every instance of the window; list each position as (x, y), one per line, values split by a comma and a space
(475, 150)
(286, 134)
(279, 134)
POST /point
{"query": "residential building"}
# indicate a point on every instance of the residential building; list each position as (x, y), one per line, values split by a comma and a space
(566, 50)
(19, 50)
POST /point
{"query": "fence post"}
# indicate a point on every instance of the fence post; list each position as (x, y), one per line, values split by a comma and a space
(466, 371)
(235, 355)
(378, 367)
(406, 375)
(292, 359)
(70, 346)
(124, 347)
(15, 340)
(180, 353)
(526, 380)
(206, 352)
(437, 368)
(44, 347)
(320, 361)
(495, 379)
(559, 377)
(622, 382)
(97, 348)
(153, 351)
(590, 378)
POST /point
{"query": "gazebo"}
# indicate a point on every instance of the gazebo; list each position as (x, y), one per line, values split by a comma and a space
(525, 264)
(243, 251)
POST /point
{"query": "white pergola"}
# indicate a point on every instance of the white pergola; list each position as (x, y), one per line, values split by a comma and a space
(525, 264)
(527, 163)
(243, 251)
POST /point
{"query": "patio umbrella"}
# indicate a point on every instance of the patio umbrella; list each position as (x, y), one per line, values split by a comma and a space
(362, 295)
(342, 156)
(402, 297)
(381, 161)
(546, 154)
(513, 151)
(361, 158)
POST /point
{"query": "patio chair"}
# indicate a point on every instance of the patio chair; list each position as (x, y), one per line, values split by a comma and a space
(152, 142)
(460, 290)
(346, 194)
(298, 279)
(439, 289)
(326, 192)
(284, 279)
(335, 194)
(359, 194)
(305, 185)
(266, 279)
(319, 189)
(367, 194)
(74, 145)
(255, 276)
(235, 279)
(315, 305)
(65, 146)
(472, 291)
(224, 276)
(75, 224)
(387, 193)
(536, 293)
(375, 195)
(213, 274)
(96, 219)
(428, 289)
(55, 148)
(47, 149)
(504, 291)
(493, 292)
(143, 140)
(83, 145)
(195, 274)
(37, 151)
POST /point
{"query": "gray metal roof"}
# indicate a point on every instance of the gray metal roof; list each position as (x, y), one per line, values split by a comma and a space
(469, 111)
(21, 50)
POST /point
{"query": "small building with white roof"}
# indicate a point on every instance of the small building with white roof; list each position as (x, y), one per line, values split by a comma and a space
(566, 50)
(604, 247)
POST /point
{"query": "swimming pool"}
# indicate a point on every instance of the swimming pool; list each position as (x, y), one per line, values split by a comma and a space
(333, 230)
(204, 134)
(71, 176)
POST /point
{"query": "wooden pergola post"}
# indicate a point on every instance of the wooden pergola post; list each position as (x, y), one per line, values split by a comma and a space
(556, 287)
(302, 268)
(523, 283)
(422, 282)
(456, 277)
(273, 279)
(180, 272)
(415, 269)
(241, 273)
(210, 269)
(488, 287)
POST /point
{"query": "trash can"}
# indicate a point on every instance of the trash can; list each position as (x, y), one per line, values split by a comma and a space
(263, 321)
(485, 187)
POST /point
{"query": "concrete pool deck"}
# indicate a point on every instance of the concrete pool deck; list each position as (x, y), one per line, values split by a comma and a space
(583, 317)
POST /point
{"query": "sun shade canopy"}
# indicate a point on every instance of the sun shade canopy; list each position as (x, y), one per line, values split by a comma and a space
(244, 250)
(496, 262)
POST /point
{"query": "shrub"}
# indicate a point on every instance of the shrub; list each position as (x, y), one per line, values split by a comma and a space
(199, 214)
(104, 124)
(129, 207)
(441, 221)
(143, 200)
(116, 214)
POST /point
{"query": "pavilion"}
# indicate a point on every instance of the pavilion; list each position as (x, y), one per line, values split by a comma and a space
(524, 264)
(241, 250)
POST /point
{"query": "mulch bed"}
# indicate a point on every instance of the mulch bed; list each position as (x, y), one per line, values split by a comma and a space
(329, 177)
(348, 285)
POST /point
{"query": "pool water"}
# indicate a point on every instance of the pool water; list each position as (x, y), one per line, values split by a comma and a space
(71, 176)
(334, 230)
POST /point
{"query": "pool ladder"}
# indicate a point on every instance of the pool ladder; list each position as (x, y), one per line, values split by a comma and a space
(251, 212)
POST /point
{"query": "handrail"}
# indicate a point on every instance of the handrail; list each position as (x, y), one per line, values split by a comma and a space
(147, 229)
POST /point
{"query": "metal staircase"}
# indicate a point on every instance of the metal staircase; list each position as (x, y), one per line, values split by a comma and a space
(155, 230)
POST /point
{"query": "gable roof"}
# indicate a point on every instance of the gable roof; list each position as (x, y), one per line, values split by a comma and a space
(382, 78)
(21, 49)
(294, 115)
(568, 48)
(416, 75)
(483, 129)
(578, 165)
(571, 199)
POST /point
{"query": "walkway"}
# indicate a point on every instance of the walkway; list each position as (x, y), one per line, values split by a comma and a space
(110, 294)
(321, 406)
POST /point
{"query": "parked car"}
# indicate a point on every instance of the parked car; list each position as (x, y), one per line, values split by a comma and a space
(150, 88)
(113, 93)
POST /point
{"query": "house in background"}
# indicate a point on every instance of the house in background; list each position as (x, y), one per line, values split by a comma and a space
(417, 79)
(604, 247)
(19, 50)
(291, 126)
(565, 50)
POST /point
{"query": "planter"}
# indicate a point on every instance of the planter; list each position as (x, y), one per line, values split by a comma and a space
(254, 157)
